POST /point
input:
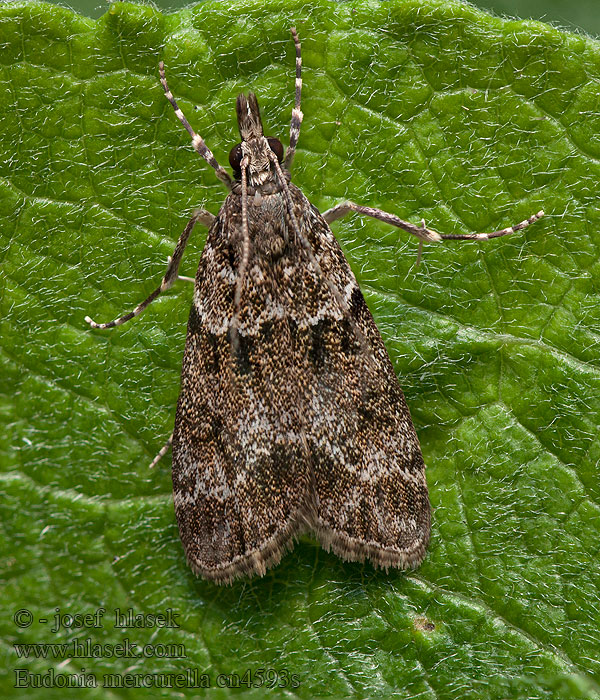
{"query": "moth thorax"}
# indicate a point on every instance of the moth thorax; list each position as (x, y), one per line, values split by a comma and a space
(259, 165)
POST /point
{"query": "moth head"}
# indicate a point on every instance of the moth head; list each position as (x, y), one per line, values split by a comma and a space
(253, 144)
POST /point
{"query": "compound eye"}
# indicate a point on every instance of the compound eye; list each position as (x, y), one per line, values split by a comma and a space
(277, 148)
(235, 158)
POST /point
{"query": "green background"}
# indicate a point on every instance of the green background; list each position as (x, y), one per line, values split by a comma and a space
(581, 15)
(425, 109)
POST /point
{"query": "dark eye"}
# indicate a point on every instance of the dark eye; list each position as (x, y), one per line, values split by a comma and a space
(277, 148)
(235, 158)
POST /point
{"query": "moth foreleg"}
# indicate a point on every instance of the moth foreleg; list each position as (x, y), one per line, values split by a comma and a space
(170, 275)
(297, 115)
(422, 232)
(197, 140)
(182, 278)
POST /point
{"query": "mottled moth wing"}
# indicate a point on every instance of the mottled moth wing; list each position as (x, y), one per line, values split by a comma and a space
(299, 425)
(240, 468)
(369, 476)
(371, 492)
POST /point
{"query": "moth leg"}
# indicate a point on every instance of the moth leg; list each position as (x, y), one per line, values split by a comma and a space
(161, 453)
(297, 115)
(197, 140)
(182, 278)
(170, 275)
(422, 232)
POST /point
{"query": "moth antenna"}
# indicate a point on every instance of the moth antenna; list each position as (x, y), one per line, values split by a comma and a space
(290, 207)
(313, 261)
(237, 299)
(197, 140)
(297, 115)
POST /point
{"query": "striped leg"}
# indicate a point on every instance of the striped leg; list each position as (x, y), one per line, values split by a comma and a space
(170, 275)
(181, 277)
(197, 140)
(421, 232)
(297, 115)
(161, 453)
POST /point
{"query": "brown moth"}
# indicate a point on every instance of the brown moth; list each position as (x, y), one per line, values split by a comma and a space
(290, 417)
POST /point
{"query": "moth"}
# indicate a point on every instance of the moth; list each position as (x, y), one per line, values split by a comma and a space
(290, 417)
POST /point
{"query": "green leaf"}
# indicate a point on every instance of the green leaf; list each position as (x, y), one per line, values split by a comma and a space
(422, 108)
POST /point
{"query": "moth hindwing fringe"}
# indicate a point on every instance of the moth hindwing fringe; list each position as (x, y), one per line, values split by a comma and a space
(290, 417)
